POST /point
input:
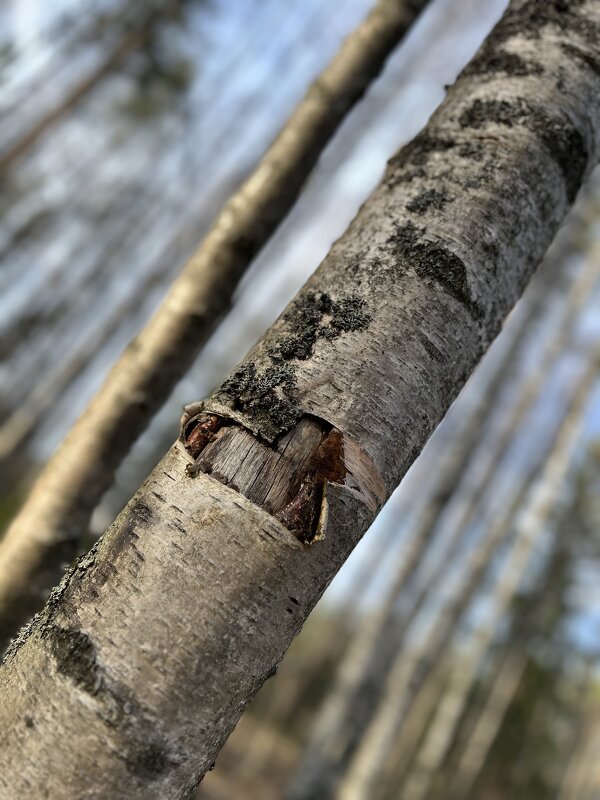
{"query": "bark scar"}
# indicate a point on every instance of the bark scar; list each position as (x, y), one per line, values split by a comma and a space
(287, 478)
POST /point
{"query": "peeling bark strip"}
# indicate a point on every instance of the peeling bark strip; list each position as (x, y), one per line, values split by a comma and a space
(56, 515)
(190, 599)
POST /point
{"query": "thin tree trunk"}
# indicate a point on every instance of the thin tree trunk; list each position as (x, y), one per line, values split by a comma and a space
(584, 758)
(128, 43)
(129, 681)
(530, 529)
(503, 691)
(410, 671)
(56, 515)
(411, 736)
(348, 709)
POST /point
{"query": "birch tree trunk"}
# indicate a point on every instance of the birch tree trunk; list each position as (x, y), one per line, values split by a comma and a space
(582, 762)
(45, 533)
(129, 681)
(128, 43)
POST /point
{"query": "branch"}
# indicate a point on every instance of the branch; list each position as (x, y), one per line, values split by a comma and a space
(130, 680)
(45, 534)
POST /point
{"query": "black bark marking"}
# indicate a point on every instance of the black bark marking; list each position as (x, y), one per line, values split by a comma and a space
(433, 262)
(75, 655)
(137, 515)
(145, 751)
(149, 758)
(582, 56)
(429, 199)
(559, 135)
(492, 61)
(529, 20)
(435, 353)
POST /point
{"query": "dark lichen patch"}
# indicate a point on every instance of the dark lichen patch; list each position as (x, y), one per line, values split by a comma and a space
(582, 56)
(529, 20)
(75, 655)
(149, 758)
(304, 319)
(394, 178)
(408, 165)
(427, 200)
(559, 135)
(481, 112)
(346, 315)
(492, 61)
(270, 397)
(314, 316)
(474, 151)
(433, 262)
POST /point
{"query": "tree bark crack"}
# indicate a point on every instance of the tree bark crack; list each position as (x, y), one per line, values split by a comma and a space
(287, 478)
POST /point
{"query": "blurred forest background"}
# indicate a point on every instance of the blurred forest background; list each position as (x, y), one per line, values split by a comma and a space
(456, 654)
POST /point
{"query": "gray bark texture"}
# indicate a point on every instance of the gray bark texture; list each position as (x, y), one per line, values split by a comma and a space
(130, 680)
(48, 529)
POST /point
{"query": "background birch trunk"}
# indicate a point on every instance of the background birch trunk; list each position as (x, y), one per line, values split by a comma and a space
(129, 681)
(410, 671)
(582, 766)
(46, 532)
(530, 528)
(504, 689)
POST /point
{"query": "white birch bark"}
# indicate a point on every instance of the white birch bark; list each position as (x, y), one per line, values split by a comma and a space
(129, 681)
